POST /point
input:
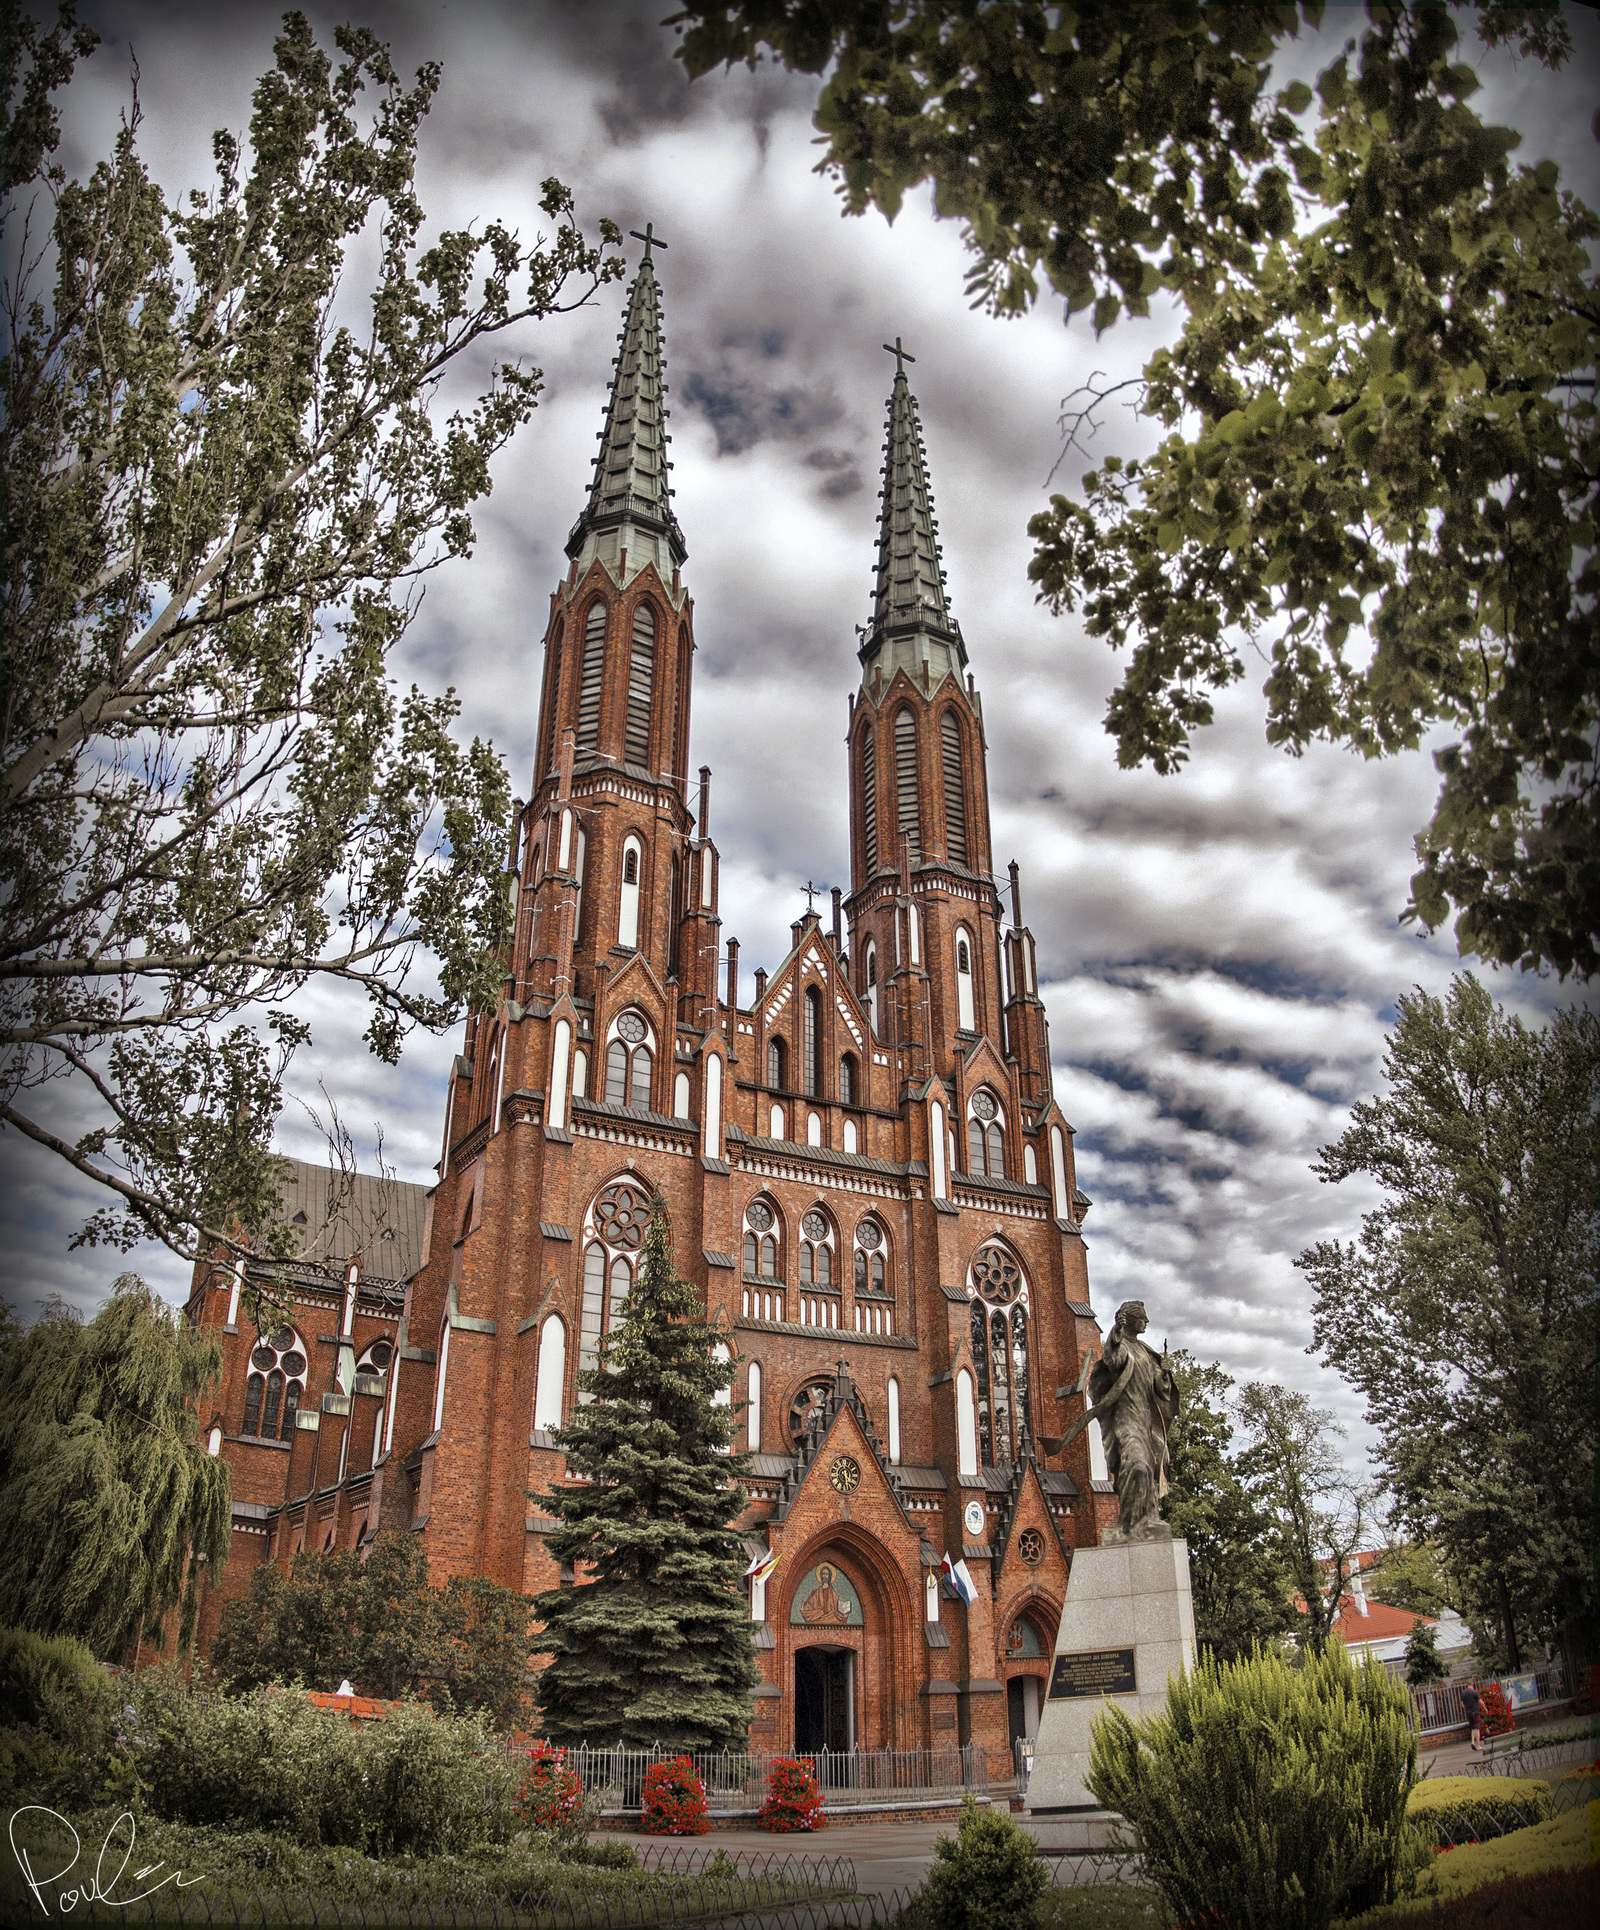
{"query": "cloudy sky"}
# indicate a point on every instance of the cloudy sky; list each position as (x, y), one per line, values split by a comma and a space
(1222, 947)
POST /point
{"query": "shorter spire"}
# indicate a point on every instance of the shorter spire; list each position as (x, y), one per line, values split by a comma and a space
(630, 500)
(911, 621)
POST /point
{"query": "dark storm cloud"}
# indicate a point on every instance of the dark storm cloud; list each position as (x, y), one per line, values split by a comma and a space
(1219, 951)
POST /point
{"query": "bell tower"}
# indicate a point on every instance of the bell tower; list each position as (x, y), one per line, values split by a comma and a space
(924, 913)
(614, 871)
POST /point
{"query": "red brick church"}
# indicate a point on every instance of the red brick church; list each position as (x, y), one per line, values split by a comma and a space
(862, 1157)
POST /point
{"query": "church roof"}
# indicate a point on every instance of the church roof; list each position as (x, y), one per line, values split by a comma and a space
(911, 620)
(336, 1216)
(630, 499)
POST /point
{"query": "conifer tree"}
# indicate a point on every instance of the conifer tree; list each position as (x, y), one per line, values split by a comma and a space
(654, 1646)
(108, 1502)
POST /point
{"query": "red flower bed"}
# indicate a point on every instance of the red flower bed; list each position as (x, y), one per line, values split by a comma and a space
(794, 1797)
(674, 1800)
(1494, 1712)
(551, 1796)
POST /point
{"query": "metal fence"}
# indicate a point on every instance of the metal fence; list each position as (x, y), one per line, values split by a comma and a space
(1441, 1707)
(736, 1781)
(1539, 1760)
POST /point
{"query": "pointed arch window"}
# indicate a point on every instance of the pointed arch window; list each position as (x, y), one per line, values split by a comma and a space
(872, 986)
(811, 1031)
(869, 798)
(615, 1227)
(847, 1080)
(966, 1004)
(986, 1138)
(955, 797)
(763, 1291)
(594, 660)
(1000, 1358)
(816, 1250)
(775, 1064)
(630, 1061)
(628, 893)
(908, 821)
(277, 1380)
(641, 685)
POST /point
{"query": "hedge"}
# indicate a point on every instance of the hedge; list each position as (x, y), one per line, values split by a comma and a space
(1466, 1809)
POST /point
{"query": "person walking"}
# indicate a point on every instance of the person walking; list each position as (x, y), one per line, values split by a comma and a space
(1474, 1707)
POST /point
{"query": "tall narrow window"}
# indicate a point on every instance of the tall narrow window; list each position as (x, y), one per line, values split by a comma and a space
(628, 895)
(775, 1064)
(966, 1005)
(847, 1081)
(615, 1227)
(641, 685)
(550, 1384)
(894, 1421)
(616, 1073)
(812, 1027)
(1000, 1358)
(639, 1082)
(872, 986)
(955, 800)
(254, 1389)
(869, 799)
(753, 1434)
(907, 819)
(594, 1287)
(552, 744)
(594, 658)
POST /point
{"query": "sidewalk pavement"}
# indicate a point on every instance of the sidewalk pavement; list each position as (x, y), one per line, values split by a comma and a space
(887, 1856)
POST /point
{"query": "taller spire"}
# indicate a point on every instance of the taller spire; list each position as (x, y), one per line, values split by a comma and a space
(911, 621)
(630, 500)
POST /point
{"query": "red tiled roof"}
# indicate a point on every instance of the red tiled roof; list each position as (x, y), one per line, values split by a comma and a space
(364, 1708)
(1378, 1624)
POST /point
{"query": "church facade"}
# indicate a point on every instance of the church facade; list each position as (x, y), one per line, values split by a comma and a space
(861, 1154)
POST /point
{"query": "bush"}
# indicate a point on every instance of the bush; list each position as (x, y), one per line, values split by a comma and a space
(33, 1667)
(989, 1877)
(1587, 1700)
(1305, 1774)
(1494, 1711)
(794, 1797)
(674, 1800)
(1471, 1809)
(551, 1796)
(271, 1760)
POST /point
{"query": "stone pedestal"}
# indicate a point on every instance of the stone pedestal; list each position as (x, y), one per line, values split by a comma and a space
(1132, 1596)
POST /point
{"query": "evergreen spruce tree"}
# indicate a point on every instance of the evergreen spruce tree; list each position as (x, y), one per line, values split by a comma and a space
(654, 1645)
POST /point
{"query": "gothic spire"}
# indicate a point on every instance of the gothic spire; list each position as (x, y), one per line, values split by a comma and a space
(911, 621)
(630, 500)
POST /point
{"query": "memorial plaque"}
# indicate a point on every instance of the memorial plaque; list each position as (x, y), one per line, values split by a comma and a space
(1093, 1672)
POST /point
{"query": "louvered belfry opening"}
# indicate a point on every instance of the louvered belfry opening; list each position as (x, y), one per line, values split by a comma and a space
(869, 798)
(594, 660)
(905, 782)
(552, 722)
(955, 801)
(641, 685)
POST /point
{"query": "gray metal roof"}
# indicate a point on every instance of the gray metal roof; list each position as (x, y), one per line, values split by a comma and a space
(630, 499)
(911, 621)
(337, 1216)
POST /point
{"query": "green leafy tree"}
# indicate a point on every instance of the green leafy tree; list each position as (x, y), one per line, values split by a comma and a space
(1465, 1312)
(108, 1502)
(1320, 1513)
(378, 1622)
(1240, 1583)
(654, 1645)
(1380, 439)
(1410, 1575)
(225, 472)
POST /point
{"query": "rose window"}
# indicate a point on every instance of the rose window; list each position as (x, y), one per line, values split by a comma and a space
(814, 1226)
(621, 1215)
(277, 1381)
(758, 1216)
(984, 1106)
(870, 1235)
(812, 1399)
(630, 1027)
(997, 1276)
(1030, 1546)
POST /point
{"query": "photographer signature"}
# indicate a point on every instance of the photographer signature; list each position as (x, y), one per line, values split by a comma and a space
(99, 1887)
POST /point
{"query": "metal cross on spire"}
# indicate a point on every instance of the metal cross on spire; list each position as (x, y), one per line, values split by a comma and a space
(650, 239)
(811, 891)
(901, 356)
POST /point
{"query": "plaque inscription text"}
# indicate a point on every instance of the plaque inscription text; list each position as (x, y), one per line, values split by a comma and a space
(1093, 1672)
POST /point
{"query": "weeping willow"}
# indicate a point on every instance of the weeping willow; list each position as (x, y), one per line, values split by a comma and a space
(108, 1503)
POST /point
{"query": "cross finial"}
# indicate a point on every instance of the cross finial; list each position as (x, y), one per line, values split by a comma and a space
(901, 356)
(810, 891)
(650, 239)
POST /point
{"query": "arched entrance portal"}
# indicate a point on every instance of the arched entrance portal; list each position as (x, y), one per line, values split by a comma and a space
(824, 1700)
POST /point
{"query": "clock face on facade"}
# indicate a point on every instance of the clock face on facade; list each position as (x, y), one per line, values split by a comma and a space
(972, 1519)
(845, 1474)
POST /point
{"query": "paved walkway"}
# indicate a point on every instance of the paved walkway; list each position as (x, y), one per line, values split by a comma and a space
(887, 1856)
